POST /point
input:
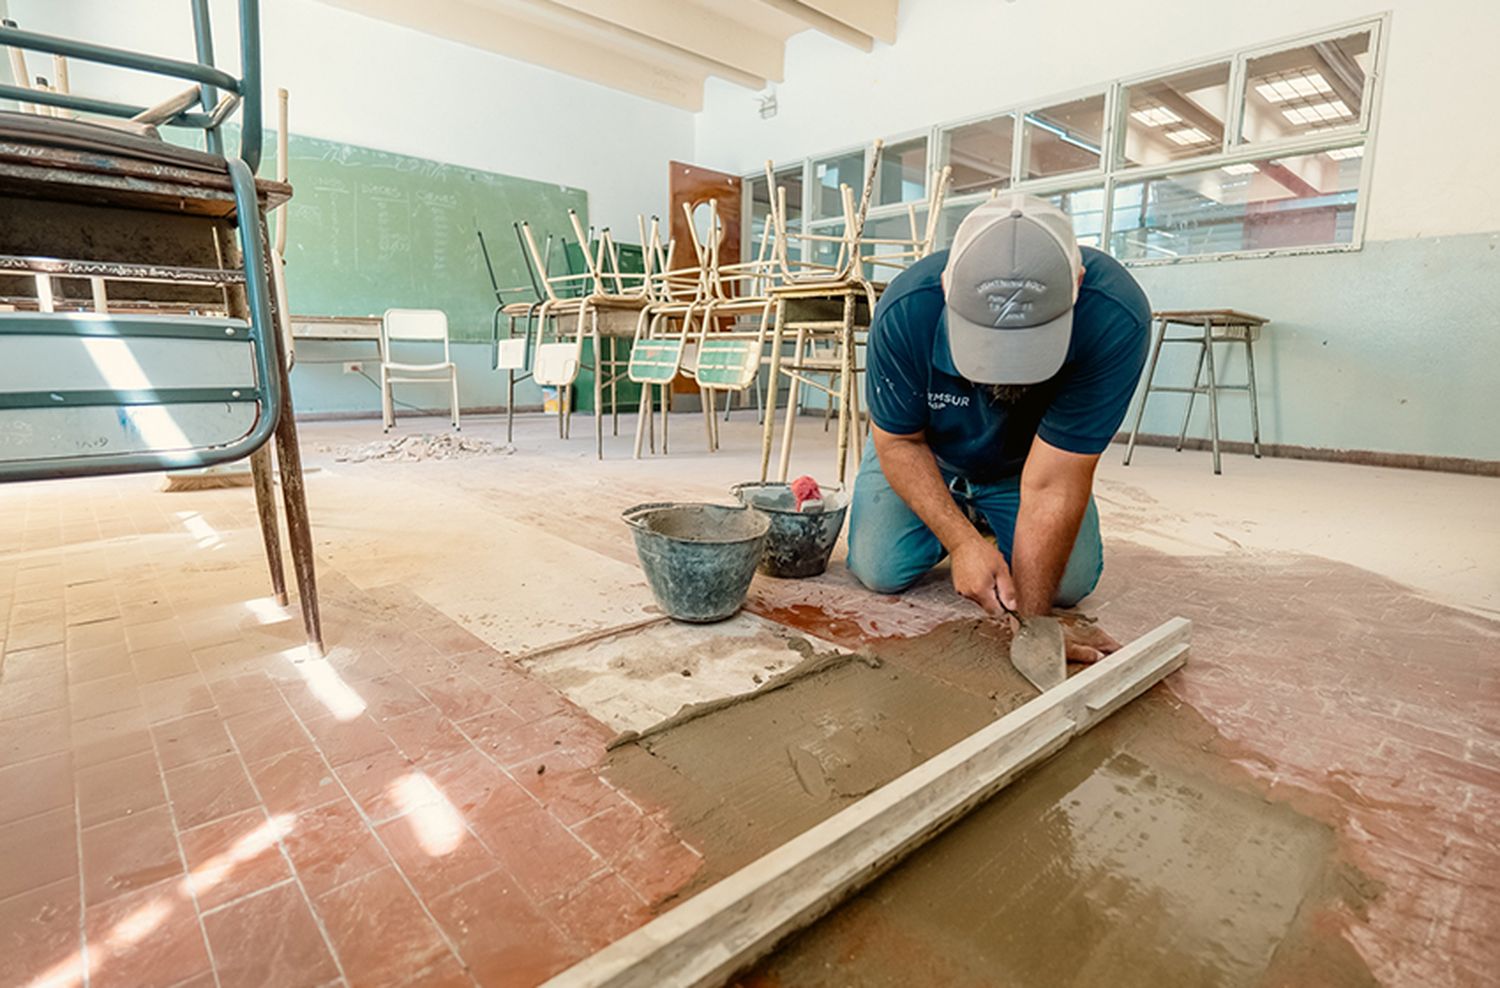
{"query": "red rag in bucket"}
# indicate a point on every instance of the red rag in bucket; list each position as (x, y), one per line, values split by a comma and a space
(804, 489)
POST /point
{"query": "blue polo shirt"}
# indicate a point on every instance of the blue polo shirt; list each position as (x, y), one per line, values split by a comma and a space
(912, 385)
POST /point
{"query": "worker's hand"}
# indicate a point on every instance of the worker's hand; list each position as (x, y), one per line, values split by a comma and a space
(980, 574)
(1087, 642)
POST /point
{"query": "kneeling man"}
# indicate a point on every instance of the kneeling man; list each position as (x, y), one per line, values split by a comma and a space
(997, 372)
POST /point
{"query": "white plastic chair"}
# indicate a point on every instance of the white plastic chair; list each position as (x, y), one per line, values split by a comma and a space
(414, 325)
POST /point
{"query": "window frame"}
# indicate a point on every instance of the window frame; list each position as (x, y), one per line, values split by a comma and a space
(1112, 171)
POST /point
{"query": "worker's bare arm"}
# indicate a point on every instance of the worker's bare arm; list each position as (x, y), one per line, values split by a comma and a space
(979, 570)
(1055, 487)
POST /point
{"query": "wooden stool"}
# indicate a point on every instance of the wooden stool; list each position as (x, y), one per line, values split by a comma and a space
(1209, 326)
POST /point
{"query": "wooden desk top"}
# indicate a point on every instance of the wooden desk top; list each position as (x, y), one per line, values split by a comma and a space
(1219, 317)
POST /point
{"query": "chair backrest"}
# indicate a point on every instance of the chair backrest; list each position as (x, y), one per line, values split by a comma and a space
(177, 110)
(425, 325)
(846, 262)
(902, 252)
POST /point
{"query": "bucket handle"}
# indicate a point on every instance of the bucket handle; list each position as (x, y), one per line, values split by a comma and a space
(633, 515)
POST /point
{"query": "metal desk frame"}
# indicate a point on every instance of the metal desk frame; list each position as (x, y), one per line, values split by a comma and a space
(1210, 326)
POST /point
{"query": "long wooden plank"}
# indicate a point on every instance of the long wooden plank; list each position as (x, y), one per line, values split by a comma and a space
(730, 925)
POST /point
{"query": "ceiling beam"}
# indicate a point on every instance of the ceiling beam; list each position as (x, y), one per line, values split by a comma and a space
(516, 35)
(610, 33)
(694, 28)
(876, 18)
(831, 26)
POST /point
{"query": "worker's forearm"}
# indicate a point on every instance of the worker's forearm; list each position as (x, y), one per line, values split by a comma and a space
(1046, 527)
(912, 471)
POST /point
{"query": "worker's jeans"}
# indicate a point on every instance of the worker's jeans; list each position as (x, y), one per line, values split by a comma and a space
(890, 548)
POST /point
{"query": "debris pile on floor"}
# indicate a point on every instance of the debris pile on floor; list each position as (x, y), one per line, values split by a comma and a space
(409, 449)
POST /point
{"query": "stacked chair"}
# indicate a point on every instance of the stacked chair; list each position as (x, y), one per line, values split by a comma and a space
(140, 384)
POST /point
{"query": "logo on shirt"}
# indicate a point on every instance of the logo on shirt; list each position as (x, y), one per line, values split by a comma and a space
(938, 400)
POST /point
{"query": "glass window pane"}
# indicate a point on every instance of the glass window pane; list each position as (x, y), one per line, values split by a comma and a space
(1175, 117)
(1063, 138)
(1086, 208)
(760, 204)
(826, 251)
(828, 175)
(902, 174)
(896, 226)
(1308, 89)
(1298, 201)
(980, 154)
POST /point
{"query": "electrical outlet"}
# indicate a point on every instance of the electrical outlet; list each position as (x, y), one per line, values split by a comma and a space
(353, 367)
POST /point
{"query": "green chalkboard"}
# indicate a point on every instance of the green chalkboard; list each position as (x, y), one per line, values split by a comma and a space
(369, 230)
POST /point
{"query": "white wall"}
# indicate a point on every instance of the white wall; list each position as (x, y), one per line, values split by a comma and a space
(1436, 143)
(361, 81)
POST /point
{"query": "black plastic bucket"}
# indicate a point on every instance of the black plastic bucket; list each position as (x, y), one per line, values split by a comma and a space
(698, 558)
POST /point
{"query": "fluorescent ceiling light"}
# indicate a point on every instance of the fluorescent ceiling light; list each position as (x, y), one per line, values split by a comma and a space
(1155, 116)
(1328, 111)
(1243, 168)
(1188, 135)
(1342, 154)
(1293, 85)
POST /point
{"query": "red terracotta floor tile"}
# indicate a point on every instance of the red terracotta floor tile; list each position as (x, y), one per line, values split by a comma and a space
(119, 788)
(38, 850)
(190, 739)
(435, 850)
(104, 739)
(239, 935)
(148, 937)
(265, 733)
(543, 855)
(85, 665)
(487, 728)
(244, 693)
(96, 634)
(460, 697)
(452, 638)
(152, 634)
(170, 699)
(332, 845)
(358, 664)
(646, 854)
(380, 931)
(39, 931)
(421, 666)
(23, 663)
(391, 696)
(500, 935)
(570, 793)
(36, 786)
(477, 786)
(32, 736)
(534, 700)
(294, 781)
(426, 736)
(129, 853)
(235, 856)
(210, 789)
(344, 741)
(103, 696)
(373, 781)
(555, 734)
(163, 662)
(599, 911)
(36, 695)
(449, 972)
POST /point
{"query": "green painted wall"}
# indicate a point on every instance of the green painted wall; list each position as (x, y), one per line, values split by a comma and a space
(370, 230)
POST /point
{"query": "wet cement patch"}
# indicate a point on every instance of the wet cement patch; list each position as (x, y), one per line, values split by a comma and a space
(1140, 855)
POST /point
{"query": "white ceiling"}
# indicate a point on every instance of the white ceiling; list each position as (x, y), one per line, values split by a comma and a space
(660, 49)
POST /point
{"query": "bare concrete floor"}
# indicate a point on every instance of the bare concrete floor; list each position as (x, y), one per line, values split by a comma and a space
(1346, 653)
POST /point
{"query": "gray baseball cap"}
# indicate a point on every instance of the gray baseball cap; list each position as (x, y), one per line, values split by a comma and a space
(1010, 285)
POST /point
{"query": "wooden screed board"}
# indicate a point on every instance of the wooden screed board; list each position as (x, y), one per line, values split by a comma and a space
(733, 923)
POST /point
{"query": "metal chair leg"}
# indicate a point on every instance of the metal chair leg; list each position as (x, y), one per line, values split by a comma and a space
(1213, 391)
(1254, 405)
(793, 406)
(1140, 411)
(1192, 396)
(270, 531)
(768, 417)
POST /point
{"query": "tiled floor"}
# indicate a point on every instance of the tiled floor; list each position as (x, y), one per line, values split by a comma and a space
(187, 798)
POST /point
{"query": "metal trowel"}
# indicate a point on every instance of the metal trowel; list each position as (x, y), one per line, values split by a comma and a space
(1038, 651)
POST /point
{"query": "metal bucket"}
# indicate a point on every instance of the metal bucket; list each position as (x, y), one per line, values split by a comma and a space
(698, 558)
(799, 544)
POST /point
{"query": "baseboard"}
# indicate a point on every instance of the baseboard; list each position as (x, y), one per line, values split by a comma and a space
(1361, 457)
